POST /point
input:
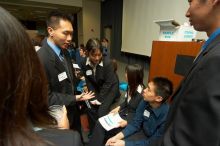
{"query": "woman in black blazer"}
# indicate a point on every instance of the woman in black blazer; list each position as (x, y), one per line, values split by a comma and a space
(101, 79)
(134, 75)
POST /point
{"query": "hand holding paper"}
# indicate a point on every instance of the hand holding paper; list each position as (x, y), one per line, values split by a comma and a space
(110, 121)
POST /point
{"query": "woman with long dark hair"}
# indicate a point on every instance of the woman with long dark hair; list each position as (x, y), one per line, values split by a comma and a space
(24, 114)
(134, 75)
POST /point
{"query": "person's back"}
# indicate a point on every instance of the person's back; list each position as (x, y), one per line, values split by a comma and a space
(62, 137)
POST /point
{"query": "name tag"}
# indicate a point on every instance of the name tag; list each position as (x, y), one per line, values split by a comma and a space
(88, 72)
(76, 66)
(62, 76)
(146, 113)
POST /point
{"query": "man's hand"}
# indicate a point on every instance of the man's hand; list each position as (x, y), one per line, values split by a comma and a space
(123, 123)
(114, 139)
(115, 110)
(116, 143)
(85, 96)
(111, 141)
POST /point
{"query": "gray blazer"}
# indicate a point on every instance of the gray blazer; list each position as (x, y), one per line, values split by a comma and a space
(58, 137)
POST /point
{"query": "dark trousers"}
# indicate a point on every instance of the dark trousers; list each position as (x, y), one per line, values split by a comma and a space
(73, 114)
(100, 135)
(96, 112)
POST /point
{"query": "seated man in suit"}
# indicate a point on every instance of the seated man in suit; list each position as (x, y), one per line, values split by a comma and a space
(150, 115)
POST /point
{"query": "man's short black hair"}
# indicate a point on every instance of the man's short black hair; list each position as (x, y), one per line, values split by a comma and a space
(54, 18)
(164, 87)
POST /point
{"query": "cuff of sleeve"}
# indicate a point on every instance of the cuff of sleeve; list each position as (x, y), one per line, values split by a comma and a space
(136, 143)
(129, 143)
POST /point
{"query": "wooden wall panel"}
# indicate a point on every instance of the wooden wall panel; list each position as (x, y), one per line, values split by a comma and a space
(163, 58)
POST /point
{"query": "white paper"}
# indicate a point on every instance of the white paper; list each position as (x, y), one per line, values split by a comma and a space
(110, 121)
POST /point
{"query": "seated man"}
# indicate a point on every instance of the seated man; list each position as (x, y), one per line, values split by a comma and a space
(150, 115)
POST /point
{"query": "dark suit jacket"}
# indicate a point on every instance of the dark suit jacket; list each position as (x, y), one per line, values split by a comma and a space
(128, 109)
(194, 117)
(60, 92)
(104, 84)
(58, 137)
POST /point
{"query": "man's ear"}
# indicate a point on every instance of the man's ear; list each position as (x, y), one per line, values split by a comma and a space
(159, 98)
(50, 31)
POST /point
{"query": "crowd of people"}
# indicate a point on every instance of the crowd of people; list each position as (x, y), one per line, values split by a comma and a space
(40, 103)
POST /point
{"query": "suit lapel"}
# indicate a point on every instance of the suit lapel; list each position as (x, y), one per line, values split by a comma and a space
(99, 72)
(55, 61)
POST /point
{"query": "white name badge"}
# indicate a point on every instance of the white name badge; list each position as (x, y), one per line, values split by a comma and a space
(88, 72)
(62, 76)
(76, 66)
(146, 113)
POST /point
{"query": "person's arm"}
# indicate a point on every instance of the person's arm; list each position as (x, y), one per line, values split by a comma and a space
(110, 80)
(113, 140)
(56, 98)
(137, 121)
(115, 110)
(143, 142)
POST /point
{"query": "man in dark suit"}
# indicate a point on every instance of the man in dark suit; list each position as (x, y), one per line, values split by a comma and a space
(194, 117)
(58, 66)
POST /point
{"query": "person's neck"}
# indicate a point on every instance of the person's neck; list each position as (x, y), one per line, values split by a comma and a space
(83, 55)
(209, 32)
(154, 105)
(51, 40)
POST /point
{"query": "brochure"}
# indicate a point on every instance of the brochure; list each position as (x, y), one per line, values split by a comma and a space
(110, 121)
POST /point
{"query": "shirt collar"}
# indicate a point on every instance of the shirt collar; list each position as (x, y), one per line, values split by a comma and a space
(159, 110)
(211, 38)
(55, 48)
(88, 62)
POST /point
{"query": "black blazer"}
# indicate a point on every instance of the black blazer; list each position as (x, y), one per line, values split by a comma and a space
(60, 92)
(128, 109)
(58, 137)
(194, 117)
(104, 83)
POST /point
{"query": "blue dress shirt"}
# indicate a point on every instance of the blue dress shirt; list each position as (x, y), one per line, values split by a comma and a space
(152, 121)
(55, 48)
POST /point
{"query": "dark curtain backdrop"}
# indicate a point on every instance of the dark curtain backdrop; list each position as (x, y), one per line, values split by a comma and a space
(111, 16)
